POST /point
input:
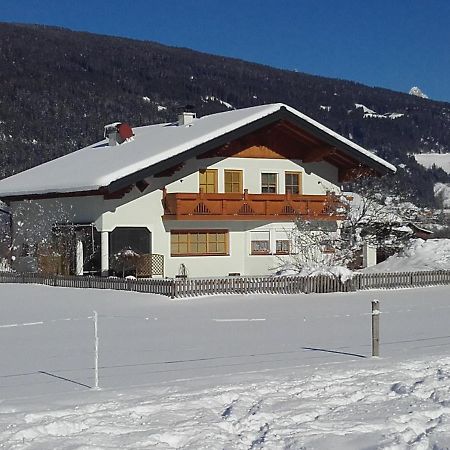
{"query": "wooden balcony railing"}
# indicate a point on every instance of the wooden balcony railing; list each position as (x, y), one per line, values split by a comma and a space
(231, 206)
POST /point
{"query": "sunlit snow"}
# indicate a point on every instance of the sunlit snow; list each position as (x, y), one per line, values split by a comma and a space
(234, 372)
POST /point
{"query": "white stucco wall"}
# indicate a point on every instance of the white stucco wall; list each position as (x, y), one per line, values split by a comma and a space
(317, 178)
(35, 218)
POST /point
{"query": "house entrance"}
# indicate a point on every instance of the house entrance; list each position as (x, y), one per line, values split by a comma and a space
(128, 246)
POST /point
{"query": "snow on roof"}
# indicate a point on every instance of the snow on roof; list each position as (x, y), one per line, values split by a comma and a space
(99, 164)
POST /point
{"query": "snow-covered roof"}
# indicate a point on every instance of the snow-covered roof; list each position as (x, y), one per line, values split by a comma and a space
(99, 165)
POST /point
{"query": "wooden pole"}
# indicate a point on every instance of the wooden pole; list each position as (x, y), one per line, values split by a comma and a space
(375, 328)
(96, 386)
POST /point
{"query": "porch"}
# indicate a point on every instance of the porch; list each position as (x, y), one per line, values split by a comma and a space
(79, 249)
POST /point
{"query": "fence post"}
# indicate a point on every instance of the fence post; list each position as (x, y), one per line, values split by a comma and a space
(96, 386)
(375, 328)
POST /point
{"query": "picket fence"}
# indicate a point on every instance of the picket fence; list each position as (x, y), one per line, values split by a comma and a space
(190, 287)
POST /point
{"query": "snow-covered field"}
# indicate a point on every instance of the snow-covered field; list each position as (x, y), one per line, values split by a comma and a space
(432, 254)
(261, 371)
(441, 160)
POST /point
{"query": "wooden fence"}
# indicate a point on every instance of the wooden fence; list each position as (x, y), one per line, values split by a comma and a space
(190, 287)
(149, 286)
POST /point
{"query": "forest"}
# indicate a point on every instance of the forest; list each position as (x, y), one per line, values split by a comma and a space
(58, 88)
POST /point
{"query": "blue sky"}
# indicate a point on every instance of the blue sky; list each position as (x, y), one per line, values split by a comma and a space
(389, 43)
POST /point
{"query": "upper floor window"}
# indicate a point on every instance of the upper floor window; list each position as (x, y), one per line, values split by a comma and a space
(233, 180)
(293, 182)
(208, 181)
(269, 183)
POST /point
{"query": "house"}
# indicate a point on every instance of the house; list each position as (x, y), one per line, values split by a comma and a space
(419, 231)
(200, 196)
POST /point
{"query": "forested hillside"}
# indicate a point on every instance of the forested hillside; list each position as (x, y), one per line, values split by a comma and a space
(58, 88)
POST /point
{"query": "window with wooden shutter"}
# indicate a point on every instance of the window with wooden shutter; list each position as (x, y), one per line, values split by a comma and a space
(233, 181)
(208, 181)
(201, 242)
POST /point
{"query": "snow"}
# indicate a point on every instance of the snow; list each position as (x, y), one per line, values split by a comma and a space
(365, 109)
(212, 98)
(370, 113)
(341, 272)
(395, 115)
(441, 160)
(443, 190)
(99, 164)
(432, 254)
(417, 92)
(243, 372)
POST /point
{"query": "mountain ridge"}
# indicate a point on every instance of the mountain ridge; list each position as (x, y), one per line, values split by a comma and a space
(60, 87)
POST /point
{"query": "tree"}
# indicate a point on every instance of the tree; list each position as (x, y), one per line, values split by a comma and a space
(371, 218)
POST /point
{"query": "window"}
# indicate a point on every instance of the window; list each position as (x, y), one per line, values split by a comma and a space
(284, 242)
(137, 239)
(191, 243)
(208, 181)
(269, 183)
(260, 243)
(328, 246)
(233, 180)
(293, 182)
(282, 247)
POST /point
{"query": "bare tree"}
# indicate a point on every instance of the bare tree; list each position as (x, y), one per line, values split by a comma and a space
(369, 217)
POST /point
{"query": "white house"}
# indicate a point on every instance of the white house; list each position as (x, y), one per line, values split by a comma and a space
(201, 196)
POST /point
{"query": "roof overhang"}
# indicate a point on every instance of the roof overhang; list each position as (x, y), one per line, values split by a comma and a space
(346, 148)
(283, 114)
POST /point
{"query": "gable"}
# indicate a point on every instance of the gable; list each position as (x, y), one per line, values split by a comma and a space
(283, 140)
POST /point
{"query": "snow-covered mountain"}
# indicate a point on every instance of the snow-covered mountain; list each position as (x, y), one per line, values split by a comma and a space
(417, 92)
(66, 95)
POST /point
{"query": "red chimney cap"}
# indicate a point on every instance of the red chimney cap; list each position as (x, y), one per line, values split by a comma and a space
(125, 131)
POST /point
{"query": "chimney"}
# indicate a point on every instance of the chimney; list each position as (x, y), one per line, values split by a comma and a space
(117, 133)
(186, 118)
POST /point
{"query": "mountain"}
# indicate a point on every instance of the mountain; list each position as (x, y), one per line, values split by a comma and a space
(417, 92)
(58, 88)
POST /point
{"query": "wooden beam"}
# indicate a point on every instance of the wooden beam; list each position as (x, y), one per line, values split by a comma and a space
(117, 194)
(170, 171)
(318, 154)
(353, 173)
(298, 133)
(142, 185)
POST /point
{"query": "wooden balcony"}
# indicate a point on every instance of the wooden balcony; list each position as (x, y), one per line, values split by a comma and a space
(273, 207)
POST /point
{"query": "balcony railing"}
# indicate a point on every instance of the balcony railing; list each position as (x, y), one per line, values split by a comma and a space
(237, 206)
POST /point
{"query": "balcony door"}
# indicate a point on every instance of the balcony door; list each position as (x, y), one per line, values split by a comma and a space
(208, 181)
(293, 183)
